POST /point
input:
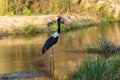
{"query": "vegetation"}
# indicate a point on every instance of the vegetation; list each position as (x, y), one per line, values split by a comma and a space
(54, 27)
(36, 6)
(97, 69)
(25, 7)
(105, 17)
(27, 12)
(28, 29)
(10, 13)
(40, 6)
(72, 26)
(104, 47)
(33, 29)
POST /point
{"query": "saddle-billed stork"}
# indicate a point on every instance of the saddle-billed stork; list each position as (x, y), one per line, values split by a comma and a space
(52, 40)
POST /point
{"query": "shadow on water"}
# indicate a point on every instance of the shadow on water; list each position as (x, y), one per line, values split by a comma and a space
(22, 74)
(20, 56)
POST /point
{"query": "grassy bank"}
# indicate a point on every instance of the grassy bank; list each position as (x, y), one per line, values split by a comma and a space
(33, 29)
(107, 68)
(97, 69)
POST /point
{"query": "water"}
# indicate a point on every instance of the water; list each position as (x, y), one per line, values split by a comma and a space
(20, 56)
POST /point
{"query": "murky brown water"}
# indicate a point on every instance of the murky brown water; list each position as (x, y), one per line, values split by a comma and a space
(21, 55)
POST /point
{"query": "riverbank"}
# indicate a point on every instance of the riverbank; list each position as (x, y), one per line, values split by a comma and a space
(28, 24)
(105, 66)
(44, 23)
(32, 13)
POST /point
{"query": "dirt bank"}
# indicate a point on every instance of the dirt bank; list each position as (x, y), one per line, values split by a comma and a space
(8, 23)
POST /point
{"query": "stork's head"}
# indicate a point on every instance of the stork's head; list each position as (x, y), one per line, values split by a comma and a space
(62, 20)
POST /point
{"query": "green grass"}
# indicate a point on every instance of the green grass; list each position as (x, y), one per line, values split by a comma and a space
(97, 69)
(29, 29)
(33, 29)
(74, 25)
(105, 17)
(54, 27)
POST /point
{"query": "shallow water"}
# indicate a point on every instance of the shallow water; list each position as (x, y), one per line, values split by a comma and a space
(20, 56)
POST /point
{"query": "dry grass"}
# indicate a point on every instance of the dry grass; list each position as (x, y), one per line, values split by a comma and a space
(39, 6)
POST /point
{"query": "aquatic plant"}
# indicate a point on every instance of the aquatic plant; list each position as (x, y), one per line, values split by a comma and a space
(97, 69)
(104, 47)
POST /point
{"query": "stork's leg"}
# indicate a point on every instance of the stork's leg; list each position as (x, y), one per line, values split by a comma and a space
(52, 65)
(52, 52)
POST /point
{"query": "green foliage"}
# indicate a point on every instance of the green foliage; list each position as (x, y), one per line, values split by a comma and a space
(105, 17)
(27, 12)
(97, 69)
(76, 25)
(90, 69)
(54, 27)
(30, 29)
(82, 24)
(11, 13)
(72, 26)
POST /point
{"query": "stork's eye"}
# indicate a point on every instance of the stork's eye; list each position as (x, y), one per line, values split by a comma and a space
(62, 21)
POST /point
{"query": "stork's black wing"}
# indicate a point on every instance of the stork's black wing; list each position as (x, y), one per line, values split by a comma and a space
(49, 43)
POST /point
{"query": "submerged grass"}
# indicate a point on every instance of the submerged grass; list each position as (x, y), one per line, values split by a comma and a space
(104, 47)
(97, 69)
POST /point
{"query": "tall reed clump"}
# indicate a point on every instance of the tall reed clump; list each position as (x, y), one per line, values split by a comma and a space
(97, 69)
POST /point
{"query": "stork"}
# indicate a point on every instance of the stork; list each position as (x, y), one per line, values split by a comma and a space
(50, 42)
(53, 39)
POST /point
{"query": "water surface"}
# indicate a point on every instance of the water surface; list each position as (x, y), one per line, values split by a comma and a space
(20, 56)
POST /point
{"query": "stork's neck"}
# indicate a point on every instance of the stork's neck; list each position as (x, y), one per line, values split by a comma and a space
(58, 26)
